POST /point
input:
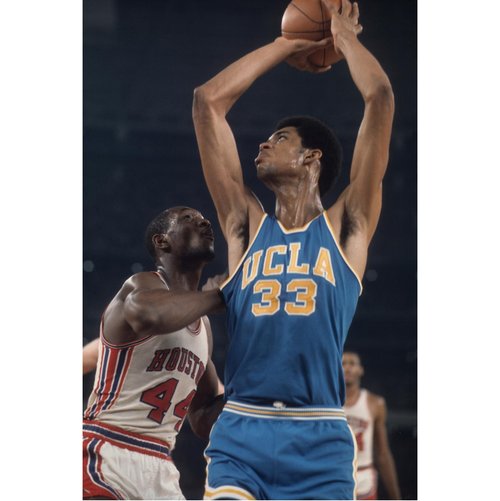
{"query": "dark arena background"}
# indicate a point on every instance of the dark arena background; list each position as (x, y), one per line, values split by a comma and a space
(142, 60)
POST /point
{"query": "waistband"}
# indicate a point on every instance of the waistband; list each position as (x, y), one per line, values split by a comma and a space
(280, 411)
(366, 467)
(126, 439)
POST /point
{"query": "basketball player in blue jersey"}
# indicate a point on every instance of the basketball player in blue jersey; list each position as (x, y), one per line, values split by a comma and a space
(294, 277)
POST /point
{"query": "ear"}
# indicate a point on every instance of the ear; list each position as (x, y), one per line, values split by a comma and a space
(311, 155)
(161, 241)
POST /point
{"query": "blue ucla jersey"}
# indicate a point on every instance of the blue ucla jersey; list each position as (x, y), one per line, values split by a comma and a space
(290, 303)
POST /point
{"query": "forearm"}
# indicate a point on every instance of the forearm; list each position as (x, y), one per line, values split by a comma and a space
(223, 90)
(162, 312)
(366, 72)
(202, 419)
(90, 356)
(387, 471)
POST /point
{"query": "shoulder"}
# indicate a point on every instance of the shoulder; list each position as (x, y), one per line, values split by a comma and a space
(208, 329)
(206, 323)
(144, 280)
(135, 283)
(376, 404)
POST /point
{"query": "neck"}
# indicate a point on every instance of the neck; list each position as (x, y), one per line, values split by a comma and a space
(352, 391)
(298, 204)
(179, 279)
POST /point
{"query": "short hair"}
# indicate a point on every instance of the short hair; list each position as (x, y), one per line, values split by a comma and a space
(348, 351)
(315, 134)
(160, 224)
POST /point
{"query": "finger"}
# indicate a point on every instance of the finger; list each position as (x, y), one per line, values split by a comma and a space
(294, 64)
(314, 68)
(322, 69)
(358, 29)
(325, 42)
(355, 12)
(346, 7)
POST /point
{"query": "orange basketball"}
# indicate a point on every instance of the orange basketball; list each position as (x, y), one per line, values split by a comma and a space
(310, 20)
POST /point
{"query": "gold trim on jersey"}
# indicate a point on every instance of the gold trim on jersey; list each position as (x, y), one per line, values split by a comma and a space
(330, 227)
(296, 230)
(227, 490)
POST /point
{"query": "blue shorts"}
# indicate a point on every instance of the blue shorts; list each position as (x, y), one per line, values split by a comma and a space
(263, 452)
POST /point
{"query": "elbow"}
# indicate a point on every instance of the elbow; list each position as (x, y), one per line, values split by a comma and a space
(208, 103)
(381, 95)
(199, 427)
(203, 103)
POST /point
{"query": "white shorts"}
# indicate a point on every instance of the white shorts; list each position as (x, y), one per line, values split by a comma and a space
(366, 483)
(123, 465)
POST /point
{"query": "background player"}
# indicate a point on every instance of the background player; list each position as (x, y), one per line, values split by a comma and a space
(294, 278)
(90, 354)
(154, 366)
(366, 414)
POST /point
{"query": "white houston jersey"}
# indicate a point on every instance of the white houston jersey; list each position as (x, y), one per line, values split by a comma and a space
(361, 422)
(146, 386)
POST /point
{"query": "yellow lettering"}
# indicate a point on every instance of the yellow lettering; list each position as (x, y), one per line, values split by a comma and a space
(269, 269)
(293, 266)
(255, 260)
(305, 303)
(323, 267)
(270, 303)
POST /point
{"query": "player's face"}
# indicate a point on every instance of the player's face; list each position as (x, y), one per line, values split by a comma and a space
(191, 235)
(353, 370)
(281, 155)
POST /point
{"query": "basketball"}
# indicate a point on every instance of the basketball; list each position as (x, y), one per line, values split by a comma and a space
(310, 20)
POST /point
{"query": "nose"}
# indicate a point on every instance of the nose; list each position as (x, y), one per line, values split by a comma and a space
(264, 146)
(205, 223)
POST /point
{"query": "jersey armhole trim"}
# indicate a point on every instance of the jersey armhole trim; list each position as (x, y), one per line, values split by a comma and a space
(240, 262)
(330, 227)
(119, 346)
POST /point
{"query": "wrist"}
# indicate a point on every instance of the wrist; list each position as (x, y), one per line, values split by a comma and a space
(285, 45)
(344, 40)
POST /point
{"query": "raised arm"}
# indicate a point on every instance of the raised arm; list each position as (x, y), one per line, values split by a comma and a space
(144, 307)
(362, 200)
(238, 211)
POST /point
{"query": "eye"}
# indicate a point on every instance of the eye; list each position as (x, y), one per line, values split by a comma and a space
(281, 138)
(187, 217)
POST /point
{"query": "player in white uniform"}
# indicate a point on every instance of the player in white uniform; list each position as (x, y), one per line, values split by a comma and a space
(366, 415)
(154, 367)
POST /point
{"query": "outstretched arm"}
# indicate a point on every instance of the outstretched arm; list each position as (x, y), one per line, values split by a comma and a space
(145, 307)
(152, 309)
(362, 200)
(238, 211)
